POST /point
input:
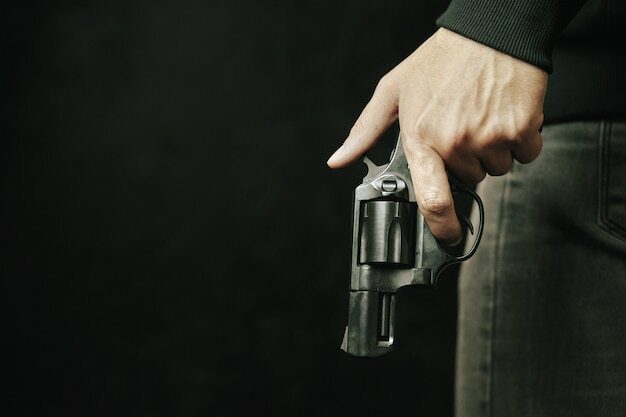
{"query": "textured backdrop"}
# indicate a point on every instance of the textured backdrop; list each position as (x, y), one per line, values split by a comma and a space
(174, 243)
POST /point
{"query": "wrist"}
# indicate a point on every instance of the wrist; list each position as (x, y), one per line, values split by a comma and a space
(452, 41)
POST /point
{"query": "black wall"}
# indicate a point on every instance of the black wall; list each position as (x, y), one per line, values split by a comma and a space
(174, 243)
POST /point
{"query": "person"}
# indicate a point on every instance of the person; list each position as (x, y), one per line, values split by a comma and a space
(542, 323)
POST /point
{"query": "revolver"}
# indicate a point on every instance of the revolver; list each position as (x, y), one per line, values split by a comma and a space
(392, 247)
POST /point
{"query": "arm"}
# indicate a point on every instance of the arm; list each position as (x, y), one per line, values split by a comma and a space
(463, 105)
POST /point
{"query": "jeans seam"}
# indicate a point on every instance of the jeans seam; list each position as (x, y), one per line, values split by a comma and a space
(494, 275)
(604, 175)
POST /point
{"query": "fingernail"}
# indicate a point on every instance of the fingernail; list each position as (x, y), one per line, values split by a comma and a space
(335, 156)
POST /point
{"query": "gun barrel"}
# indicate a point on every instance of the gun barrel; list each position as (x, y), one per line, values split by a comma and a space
(370, 324)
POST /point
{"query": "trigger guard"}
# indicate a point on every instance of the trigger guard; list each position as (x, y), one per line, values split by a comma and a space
(466, 222)
(463, 219)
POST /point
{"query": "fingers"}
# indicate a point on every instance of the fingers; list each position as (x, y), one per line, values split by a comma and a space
(497, 158)
(432, 191)
(528, 150)
(468, 169)
(497, 161)
(375, 119)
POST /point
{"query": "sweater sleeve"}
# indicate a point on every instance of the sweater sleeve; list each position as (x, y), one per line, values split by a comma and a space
(525, 29)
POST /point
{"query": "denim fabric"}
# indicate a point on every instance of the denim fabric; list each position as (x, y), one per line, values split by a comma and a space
(542, 305)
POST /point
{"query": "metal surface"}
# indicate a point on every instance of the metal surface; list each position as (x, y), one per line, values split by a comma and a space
(392, 247)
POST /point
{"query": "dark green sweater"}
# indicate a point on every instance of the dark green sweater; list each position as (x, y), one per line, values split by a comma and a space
(577, 41)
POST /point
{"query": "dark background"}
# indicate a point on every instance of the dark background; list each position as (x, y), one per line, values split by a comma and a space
(174, 243)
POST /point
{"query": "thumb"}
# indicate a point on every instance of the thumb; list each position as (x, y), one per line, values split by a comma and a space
(379, 113)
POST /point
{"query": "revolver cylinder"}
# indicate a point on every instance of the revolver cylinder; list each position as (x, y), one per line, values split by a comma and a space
(387, 233)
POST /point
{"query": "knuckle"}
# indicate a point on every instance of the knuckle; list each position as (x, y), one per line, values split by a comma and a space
(496, 171)
(435, 204)
(508, 134)
(530, 150)
(457, 143)
(535, 122)
(508, 129)
(481, 176)
(384, 84)
(414, 130)
(490, 134)
(523, 125)
(421, 131)
(540, 120)
(415, 150)
(410, 149)
(525, 128)
(472, 177)
(511, 133)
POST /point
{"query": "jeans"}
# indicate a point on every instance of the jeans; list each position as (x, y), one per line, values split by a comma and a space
(542, 305)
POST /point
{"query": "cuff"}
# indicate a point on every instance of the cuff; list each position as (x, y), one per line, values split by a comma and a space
(523, 29)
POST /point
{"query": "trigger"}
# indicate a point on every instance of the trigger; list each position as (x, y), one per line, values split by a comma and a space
(466, 221)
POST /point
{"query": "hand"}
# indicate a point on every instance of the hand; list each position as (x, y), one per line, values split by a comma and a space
(461, 105)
